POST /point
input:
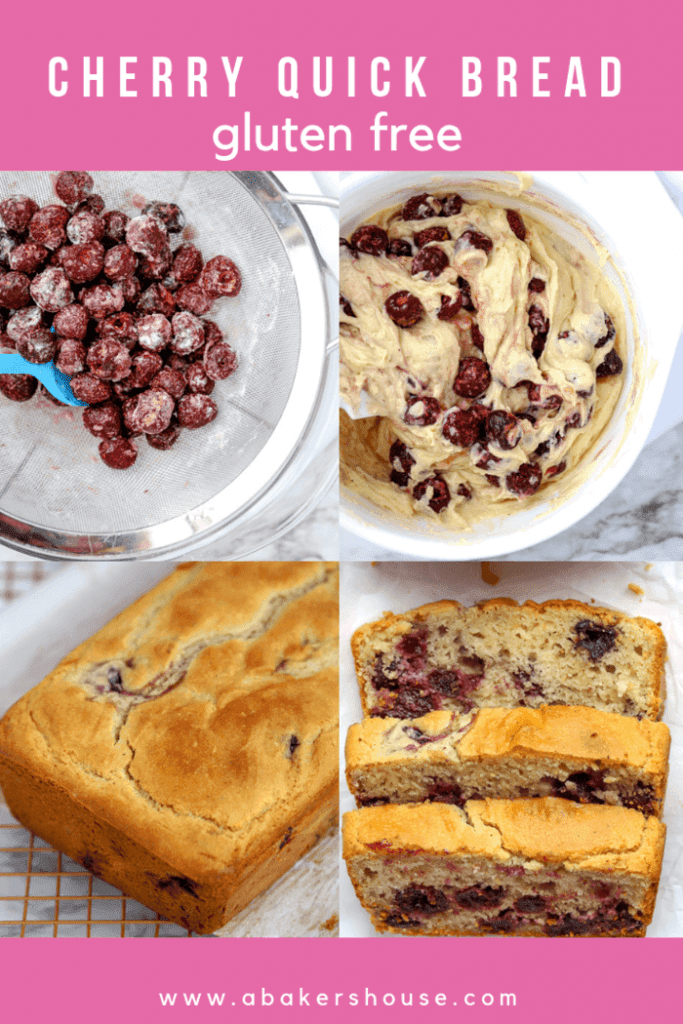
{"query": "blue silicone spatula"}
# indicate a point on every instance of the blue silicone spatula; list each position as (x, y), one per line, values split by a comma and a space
(56, 382)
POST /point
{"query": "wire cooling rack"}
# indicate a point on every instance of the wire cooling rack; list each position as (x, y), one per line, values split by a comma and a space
(45, 893)
(18, 578)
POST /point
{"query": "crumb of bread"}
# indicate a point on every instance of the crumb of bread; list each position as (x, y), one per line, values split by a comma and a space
(648, 566)
(488, 575)
(635, 588)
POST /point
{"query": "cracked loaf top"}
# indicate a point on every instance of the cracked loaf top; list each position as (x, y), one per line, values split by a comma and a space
(207, 706)
(545, 830)
(522, 734)
(488, 350)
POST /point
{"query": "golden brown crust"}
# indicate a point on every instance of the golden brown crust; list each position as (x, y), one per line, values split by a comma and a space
(580, 835)
(216, 744)
(573, 733)
(427, 828)
(395, 625)
(549, 830)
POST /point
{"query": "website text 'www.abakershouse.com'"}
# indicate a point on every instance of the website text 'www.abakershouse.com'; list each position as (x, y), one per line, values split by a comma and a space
(368, 998)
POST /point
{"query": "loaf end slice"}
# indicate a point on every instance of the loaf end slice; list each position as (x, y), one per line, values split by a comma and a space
(444, 656)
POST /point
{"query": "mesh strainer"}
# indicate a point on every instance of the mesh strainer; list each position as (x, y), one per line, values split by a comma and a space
(58, 499)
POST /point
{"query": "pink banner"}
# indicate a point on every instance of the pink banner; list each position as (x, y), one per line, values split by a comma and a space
(562, 980)
(354, 85)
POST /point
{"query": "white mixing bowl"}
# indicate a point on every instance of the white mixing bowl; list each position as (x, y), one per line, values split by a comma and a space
(631, 216)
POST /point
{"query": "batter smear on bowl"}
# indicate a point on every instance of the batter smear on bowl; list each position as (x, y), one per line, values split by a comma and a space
(487, 349)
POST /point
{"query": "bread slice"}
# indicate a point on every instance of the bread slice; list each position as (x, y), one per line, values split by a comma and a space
(444, 656)
(545, 867)
(579, 753)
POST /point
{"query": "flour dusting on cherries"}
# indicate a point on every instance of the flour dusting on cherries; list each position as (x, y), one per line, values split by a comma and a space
(119, 306)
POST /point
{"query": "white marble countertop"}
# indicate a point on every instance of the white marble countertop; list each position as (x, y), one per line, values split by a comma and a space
(316, 538)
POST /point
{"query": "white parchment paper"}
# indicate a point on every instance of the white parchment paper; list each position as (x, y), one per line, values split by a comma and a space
(370, 589)
(38, 630)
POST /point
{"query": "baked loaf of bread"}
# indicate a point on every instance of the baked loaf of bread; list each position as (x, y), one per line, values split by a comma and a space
(188, 752)
(577, 753)
(541, 867)
(444, 656)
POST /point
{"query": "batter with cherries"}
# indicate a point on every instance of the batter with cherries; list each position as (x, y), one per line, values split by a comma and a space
(486, 348)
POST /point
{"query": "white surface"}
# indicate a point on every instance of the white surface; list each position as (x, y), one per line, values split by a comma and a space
(671, 409)
(367, 591)
(608, 202)
(38, 630)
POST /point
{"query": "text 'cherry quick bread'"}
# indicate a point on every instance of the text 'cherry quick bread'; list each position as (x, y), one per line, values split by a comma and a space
(188, 752)
(489, 352)
(577, 753)
(444, 656)
(544, 867)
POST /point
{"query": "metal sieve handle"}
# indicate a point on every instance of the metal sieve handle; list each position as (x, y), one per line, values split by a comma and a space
(332, 289)
(304, 200)
(331, 279)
